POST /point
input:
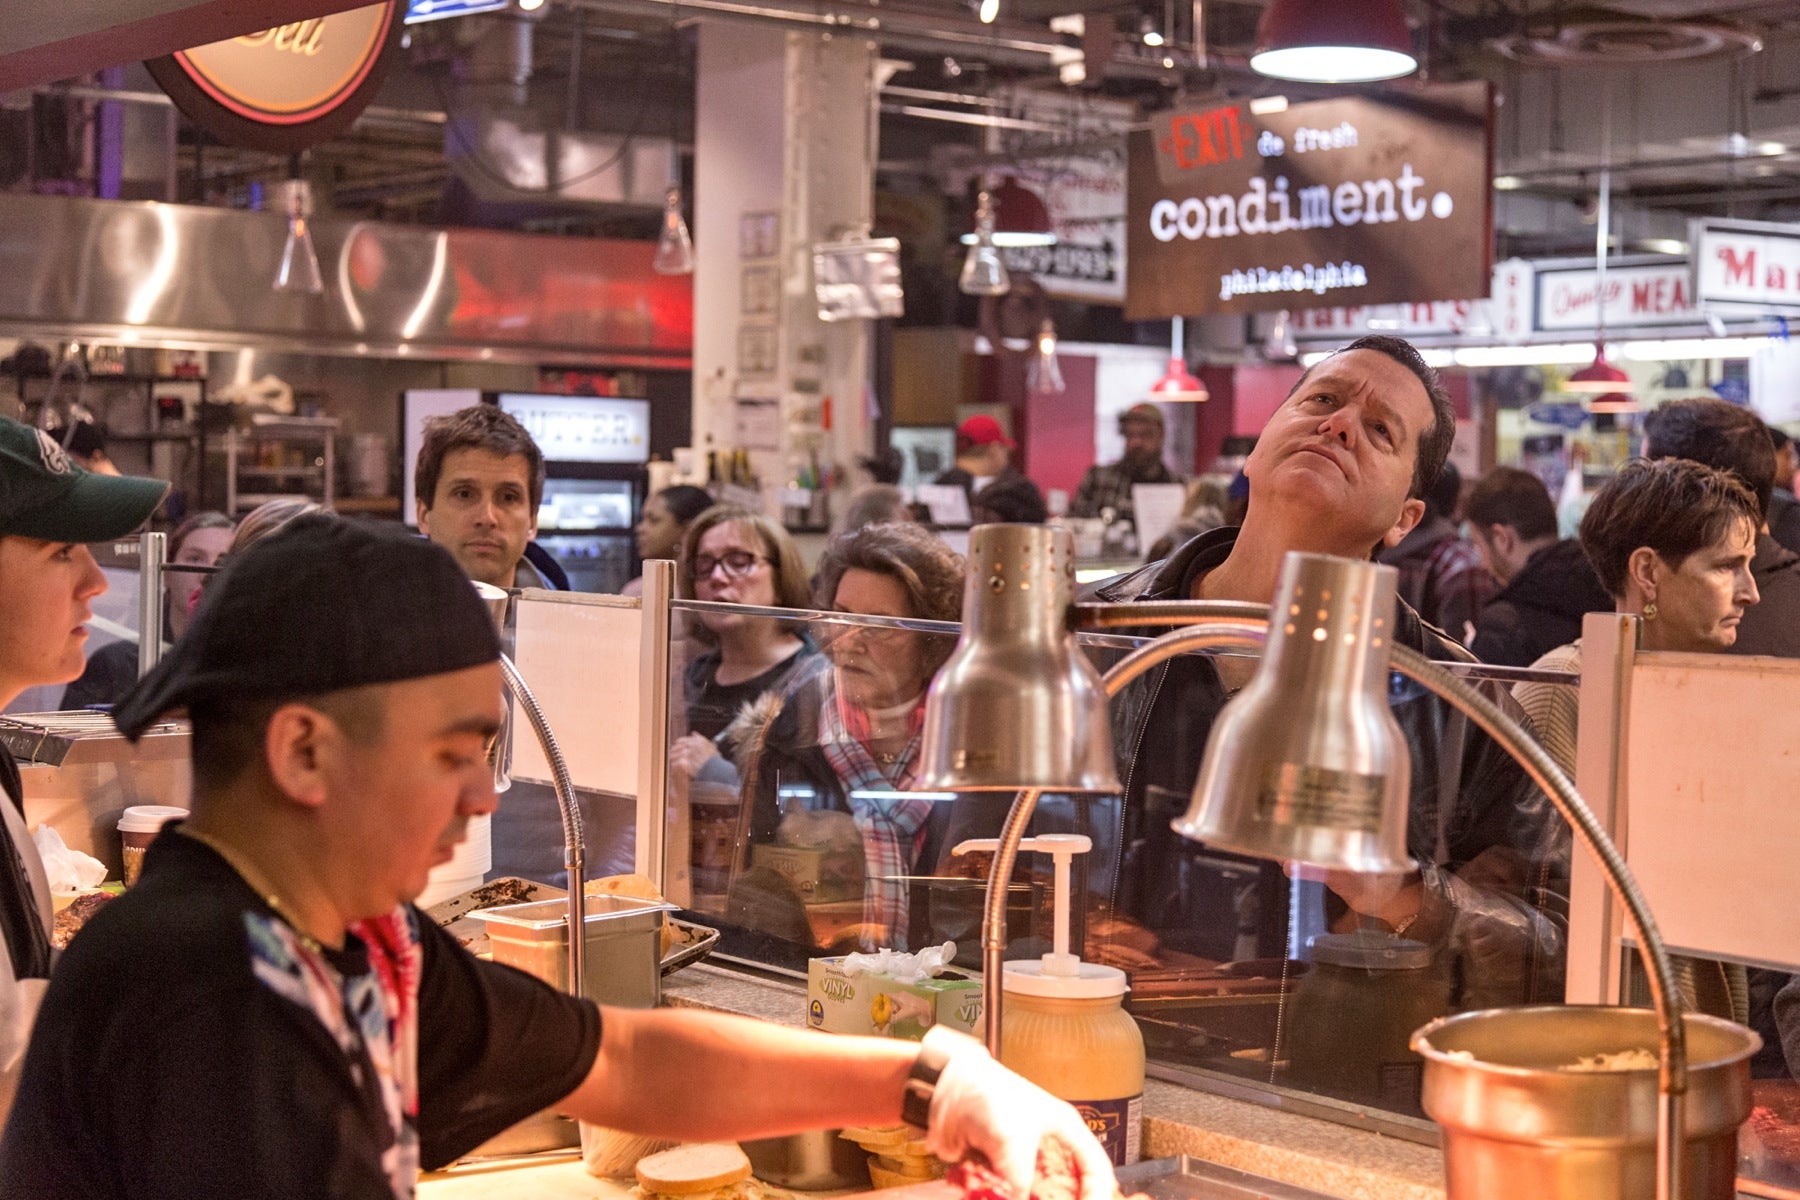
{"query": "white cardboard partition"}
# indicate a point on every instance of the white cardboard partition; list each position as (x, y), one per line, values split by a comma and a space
(1692, 763)
(1712, 785)
(582, 656)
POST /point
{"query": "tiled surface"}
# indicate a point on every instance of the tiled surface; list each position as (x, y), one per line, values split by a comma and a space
(1334, 1159)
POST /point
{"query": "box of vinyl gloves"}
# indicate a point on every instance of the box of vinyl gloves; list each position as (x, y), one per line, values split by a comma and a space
(888, 994)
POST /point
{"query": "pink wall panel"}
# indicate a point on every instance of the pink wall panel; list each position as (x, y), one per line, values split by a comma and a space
(1056, 438)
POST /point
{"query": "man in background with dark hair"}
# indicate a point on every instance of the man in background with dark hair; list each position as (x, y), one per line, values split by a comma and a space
(1341, 468)
(1547, 585)
(1784, 511)
(480, 480)
(1441, 575)
(1722, 435)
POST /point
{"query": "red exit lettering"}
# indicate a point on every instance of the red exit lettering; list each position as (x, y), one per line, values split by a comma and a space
(1205, 139)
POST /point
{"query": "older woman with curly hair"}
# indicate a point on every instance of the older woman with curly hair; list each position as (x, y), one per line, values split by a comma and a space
(828, 764)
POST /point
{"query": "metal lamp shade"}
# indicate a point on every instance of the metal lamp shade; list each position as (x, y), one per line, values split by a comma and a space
(1017, 706)
(1307, 764)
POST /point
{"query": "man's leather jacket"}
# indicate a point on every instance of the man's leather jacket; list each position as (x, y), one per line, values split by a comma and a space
(1492, 850)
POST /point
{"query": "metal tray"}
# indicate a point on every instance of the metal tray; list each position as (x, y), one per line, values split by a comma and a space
(453, 915)
(1188, 1178)
(693, 948)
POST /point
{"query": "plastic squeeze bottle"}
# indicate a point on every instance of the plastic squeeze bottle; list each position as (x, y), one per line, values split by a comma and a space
(1065, 1025)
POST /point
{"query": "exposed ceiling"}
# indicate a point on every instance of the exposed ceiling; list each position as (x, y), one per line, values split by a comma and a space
(1693, 105)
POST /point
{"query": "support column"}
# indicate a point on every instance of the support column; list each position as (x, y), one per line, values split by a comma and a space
(784, 152)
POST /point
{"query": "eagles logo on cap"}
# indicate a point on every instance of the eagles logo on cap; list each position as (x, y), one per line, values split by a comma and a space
(56, 461)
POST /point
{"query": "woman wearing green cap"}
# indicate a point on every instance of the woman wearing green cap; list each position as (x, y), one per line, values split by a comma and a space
(49, 509)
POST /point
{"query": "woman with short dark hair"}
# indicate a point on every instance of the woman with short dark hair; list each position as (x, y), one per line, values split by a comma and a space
(1672, 542)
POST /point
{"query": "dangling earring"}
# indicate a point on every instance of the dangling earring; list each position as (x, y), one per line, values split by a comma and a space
(1650, 611)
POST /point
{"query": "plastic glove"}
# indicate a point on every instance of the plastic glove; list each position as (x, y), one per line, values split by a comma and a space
(980, 1106)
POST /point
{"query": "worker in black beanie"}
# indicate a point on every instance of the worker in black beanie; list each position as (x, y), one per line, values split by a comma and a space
(266, 1014)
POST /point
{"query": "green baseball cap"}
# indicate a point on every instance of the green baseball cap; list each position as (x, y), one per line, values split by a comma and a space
(44, 495)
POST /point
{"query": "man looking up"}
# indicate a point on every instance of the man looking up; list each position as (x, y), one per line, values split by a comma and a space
(272, 1017)
(480, 479)
(49, 510)
(1108, 485)
(1339, 469)
(1728, 438)
(1547, 585)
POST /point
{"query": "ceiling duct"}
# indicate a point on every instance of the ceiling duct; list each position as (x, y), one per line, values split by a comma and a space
(516, 157)
(1601, 39)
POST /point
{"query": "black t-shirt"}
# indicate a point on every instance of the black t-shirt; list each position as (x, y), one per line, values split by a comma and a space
(711, 705)
(176, 1056)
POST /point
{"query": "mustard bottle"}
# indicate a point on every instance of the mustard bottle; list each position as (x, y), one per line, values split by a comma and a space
(1065, 1026)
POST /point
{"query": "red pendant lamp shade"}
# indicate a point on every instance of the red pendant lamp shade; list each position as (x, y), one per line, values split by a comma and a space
(1020, 217)
(1598, 376)
(1333, 41)
(1179, 386)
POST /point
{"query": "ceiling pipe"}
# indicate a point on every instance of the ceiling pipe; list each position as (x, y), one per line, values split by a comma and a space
(1032, 47)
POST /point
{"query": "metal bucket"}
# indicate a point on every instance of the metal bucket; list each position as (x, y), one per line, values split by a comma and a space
(1517, 1122)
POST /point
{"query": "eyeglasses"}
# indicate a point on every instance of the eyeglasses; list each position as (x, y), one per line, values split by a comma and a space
(829, 634)
(737, 564)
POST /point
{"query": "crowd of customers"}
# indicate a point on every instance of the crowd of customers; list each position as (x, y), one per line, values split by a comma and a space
(810, 726)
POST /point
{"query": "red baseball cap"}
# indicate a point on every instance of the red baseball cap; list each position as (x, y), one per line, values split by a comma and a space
(982, 430)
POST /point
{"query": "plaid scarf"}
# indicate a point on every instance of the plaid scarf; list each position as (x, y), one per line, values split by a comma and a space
(892, 828)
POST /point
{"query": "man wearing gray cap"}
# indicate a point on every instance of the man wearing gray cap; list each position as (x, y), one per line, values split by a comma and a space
(50, 509)
(1108, 485)
(266, 1014)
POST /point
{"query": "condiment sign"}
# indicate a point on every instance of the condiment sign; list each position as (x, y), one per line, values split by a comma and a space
(288, 87)
(1354, 201)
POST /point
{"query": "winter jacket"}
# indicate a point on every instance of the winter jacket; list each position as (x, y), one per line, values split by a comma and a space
(1772, 624)
(1540, 608)
(1442, 576)
(783, 766)
(1494, 855)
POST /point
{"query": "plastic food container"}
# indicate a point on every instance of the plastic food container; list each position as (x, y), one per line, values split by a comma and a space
(623, 948)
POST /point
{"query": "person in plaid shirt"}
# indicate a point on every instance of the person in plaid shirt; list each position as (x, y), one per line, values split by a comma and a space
(1442, 574)
(1108, 485)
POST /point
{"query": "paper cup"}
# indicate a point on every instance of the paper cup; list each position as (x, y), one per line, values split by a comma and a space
(138, 827)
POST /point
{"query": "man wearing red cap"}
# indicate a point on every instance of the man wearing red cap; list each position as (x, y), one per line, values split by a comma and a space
(984, 456)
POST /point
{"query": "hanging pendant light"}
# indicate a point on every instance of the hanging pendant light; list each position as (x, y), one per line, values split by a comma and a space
(1598, 376)
(674, 249)
(1342, 41)
(983, 272)
(1178, 385)
(299, 267)
(1279, 344)
(1020, 217)
(1044, 376)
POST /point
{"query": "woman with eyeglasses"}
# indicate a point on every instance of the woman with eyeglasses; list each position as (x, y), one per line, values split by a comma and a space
(199, 541)
(827, 768)
(731, 555)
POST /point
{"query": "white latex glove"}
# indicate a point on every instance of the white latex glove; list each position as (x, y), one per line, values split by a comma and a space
(979, 1105)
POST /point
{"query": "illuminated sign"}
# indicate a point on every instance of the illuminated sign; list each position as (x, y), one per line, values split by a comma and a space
(287, 87)
(1662, 294)
(593, 429)
(418, 11)
(1348, 202)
